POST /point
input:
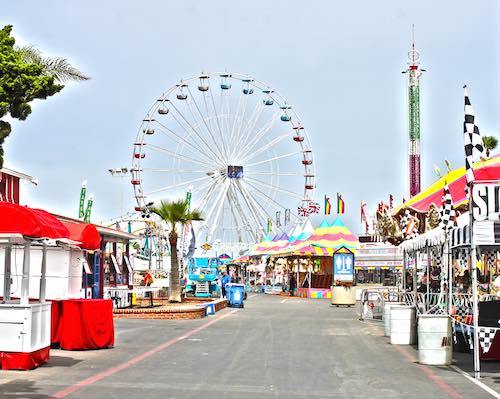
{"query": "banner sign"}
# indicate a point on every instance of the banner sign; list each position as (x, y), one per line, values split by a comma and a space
(378, 263)
(343, 267)
(486, 201)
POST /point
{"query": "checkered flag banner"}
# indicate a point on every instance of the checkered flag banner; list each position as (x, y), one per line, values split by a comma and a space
(404, 223)
(410, 229)
(447, 211)
(473, 142)
(486, 337)
(490, 259)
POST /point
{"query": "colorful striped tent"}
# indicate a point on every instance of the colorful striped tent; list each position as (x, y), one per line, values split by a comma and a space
(313, 250)
(305, 238)
(261, 247)
(295, 233)
(242, 259)
(324, 241)
(307, 231)
(279, 244)
(301, 240)
(335, 236)
(488, 170)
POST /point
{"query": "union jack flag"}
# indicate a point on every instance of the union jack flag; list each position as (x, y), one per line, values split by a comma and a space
(303, 211)
(313, 207)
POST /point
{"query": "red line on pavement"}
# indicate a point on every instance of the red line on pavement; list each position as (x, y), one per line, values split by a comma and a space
(426, 370)
(430, 374)
(113, 370)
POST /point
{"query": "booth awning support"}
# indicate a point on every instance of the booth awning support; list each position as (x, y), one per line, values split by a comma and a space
(7, 274)
(43, 281)
(403, 283)
(25, 281)
(475, 306)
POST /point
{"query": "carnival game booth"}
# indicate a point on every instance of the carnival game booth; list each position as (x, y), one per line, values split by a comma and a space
(25, 325)
(79, 321)
(329, 240)
(484, 275)
(377, 263)
(465, 282)
(89, 243)
(294, 263)
(112, 274)
(310, 256)
(60, 262)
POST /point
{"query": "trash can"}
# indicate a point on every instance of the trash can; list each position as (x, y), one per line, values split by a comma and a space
(435, 340)
(403, 325)
(387, 316)
(234, 295)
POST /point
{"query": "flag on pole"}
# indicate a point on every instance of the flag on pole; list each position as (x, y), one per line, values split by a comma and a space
(269, 225)
(287, 216)
(391, 201)
(363, 212)
(303, 211)
(328, 205)
(473, 143)
(340, 204)
(278, 218)
(88, 211)
(189, 194)
(81, 209)
(447, 211)
(363, 217)
(313, 207)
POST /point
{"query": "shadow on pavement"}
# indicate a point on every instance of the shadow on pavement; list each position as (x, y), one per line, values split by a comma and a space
(61, 361)
(21, 389)
(465, 361)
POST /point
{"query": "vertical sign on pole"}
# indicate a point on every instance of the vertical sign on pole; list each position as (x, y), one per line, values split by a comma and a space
(81, 210)
(343, 266)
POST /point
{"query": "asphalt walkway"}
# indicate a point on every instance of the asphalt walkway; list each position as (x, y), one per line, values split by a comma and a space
(273, 348)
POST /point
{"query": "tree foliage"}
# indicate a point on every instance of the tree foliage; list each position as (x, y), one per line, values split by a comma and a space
(175, 214)
(25, 75)
(489, 143)
(58, 67)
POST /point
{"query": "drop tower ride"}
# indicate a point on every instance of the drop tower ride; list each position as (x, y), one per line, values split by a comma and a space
(413, 81)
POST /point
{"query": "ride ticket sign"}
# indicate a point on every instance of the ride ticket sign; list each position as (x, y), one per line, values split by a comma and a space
(343, 267)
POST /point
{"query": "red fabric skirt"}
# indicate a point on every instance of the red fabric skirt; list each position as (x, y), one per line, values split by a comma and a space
(24, 360)
(81, 324)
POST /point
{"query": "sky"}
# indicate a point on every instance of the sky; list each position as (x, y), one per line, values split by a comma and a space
(339, 63)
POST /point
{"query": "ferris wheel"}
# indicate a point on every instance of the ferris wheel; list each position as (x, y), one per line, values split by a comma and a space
(236, 145)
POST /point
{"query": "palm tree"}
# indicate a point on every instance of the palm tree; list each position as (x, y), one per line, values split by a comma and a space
(489, 143)
(175, 214)
(57, 67)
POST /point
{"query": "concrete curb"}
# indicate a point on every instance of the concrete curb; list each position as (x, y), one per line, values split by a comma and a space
(188, 311)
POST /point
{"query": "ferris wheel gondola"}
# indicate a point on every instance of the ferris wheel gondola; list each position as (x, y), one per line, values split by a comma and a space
(240, 146)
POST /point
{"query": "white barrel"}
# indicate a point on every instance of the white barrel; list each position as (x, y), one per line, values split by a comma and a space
(403, 325)
(434, 340)
(387, 316)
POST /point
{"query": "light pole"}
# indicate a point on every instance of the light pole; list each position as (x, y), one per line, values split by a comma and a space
(120, 172)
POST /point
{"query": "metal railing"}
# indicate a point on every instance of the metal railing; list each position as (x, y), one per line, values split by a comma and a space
(372, 301)
(427, 303)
